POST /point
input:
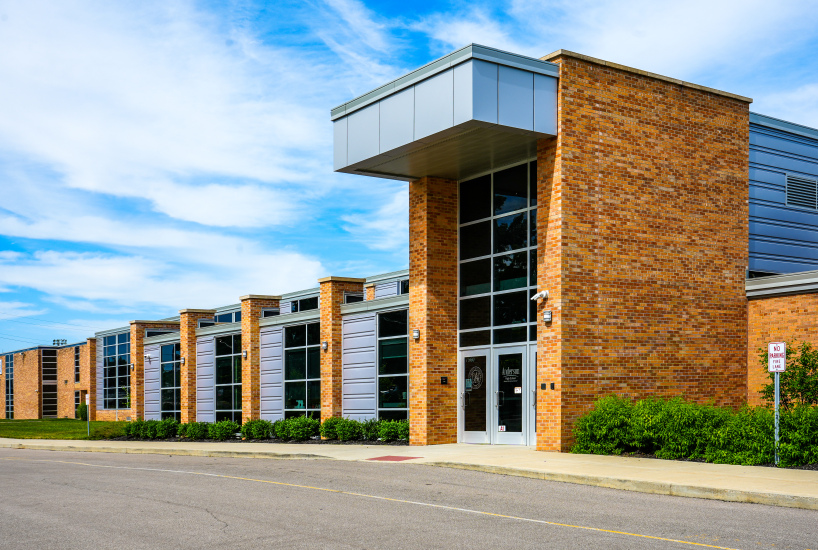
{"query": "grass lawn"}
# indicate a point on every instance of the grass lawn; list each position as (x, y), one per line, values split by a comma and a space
(59, 428)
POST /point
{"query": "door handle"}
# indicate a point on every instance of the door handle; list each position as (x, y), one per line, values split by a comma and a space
(534, 399)
(499, 394)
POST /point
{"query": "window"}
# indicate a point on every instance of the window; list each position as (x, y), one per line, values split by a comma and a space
(116, 371)
(170, 387)
(302, 370)
(231, 317)
(270, 312)
(393, 365)
(403, 287)
(77, 400)
(305, 304)
(228, 378)
(151, 332)
(206, 323)
(48, 391)
(8, 372)
(498, 257)
(77, 364)
(352, 297)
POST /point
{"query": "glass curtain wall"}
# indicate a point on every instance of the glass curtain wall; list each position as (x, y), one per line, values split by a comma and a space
(48, 391)
(228, 378)
(77, 364)
(302, 370)
(393, 365)
(9, 374)
(116, 372)
(498, 257)
(170, 387)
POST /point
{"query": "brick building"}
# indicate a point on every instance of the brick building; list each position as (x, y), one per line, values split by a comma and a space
(577, 228)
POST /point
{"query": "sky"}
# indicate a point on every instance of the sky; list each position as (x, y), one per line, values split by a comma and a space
(160, 155)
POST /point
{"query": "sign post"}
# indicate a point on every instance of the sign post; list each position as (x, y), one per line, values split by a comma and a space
(88, 412)
(777, 363)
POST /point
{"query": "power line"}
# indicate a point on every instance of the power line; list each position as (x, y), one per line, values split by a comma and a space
(18, 320)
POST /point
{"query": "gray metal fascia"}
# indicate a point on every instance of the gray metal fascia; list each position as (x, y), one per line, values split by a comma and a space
(388, 277)
(290, 318)
(778, 285)
(163, 339)
(221, 328)
(472, 51)
(230, 308)
(112, 331)
(783, 125)
(375, 305)
(309, 293)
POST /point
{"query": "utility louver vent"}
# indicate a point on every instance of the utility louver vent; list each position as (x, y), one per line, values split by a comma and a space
(802, 192)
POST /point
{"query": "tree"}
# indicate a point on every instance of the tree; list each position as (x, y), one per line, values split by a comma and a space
(799, 384)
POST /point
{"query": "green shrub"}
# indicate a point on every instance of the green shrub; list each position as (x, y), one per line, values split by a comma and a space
(149, 429)
(181, 430)
(131, 429)
(196, 430)
(747, 437)
(370, 429)
(328, 427)
(392, 430)
(281, 430)
(256, 429)
(82, 412)
(799, 384)
(799, 436)
(301, 428)
(349, 429)
(605, 429)
(222, 430)
(167, 428)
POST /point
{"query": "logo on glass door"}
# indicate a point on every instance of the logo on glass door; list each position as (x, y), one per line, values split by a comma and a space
(476, 377)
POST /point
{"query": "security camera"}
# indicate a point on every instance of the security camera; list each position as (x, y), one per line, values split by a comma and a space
(542, 294)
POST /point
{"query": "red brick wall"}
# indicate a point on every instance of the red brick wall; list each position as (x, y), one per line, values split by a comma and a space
(65, 383)
(188, 322)
(370, 291)
(791, 319)
(3, 386)
(653, 242)
(251, 307)
(331, 298)
(138, 360)
(88, 375)
(433, 311)
(27, 385)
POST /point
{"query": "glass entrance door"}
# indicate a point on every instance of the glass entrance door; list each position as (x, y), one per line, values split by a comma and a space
(510, 422)
(474, 396)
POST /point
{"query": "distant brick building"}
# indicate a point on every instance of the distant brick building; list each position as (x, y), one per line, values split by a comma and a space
(577, 228)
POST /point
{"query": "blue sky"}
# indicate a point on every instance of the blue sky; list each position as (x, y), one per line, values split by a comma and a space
(161, 155)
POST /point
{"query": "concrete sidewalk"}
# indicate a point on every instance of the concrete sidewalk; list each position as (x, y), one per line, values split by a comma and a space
(772, 486)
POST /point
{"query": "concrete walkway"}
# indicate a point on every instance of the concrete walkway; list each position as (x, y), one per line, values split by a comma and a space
(773, 486)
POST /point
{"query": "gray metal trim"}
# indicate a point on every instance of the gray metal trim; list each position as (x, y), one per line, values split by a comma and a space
(472, 51)
(227, 309)
(292, 318)
(375, 305)
(308, 293)
(805, 282)
(219, 329)
(783, 125)
(389, 277)
(163, 339)
(111, 332)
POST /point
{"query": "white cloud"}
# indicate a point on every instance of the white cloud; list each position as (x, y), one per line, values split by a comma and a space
(385, 229)
(14, 310)
(799, 105)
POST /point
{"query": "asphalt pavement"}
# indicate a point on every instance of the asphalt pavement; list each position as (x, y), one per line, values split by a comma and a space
(104, 500)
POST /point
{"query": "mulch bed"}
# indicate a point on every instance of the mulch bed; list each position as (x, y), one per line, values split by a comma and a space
(647, 455)
(307, 442)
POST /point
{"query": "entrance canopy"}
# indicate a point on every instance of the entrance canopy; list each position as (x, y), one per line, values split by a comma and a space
(469, 112)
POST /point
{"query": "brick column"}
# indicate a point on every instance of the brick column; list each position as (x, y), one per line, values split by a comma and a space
(28, 385)
(88, 367)
(433, 311)
(332, 296)
(370, 291)
(187, 343)
(65, 382)
(138, 362)
(251, 306)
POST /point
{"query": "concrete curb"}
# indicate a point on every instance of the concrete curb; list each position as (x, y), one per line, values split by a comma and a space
(641, 486)
(160, 451)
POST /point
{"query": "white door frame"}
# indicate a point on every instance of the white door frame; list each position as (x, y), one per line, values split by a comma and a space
(463, 398)
(508, 397)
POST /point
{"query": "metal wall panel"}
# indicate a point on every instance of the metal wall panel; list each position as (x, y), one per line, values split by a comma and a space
(285, 307)
(783, 238)
(363, 134)
(434, 109)
(100, 362)
(206, 379)
(339, 143)
(386, 289)
(545, 104)
(271, 373)
(397, 120)
(153, 406)
(359, 366)
(515, 98)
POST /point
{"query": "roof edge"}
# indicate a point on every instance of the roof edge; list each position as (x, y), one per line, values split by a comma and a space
(569, 53)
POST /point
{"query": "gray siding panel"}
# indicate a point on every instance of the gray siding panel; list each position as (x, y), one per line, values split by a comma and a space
(783, 238)
(153, 408)
(545, 104)
(285, 307)
(339, 136)
(359, 366)
(272, 373)
(386, 289)
(434, 109)
(397, 120)
(205, 379)
(515, 98)
(100, 362)
(363, 134)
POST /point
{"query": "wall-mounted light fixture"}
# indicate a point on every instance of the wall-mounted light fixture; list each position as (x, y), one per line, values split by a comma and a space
(132, 366)
(324, 345)
(183, 360)
(244, 354)
(65, 382)
(416, 334)
(147, 358)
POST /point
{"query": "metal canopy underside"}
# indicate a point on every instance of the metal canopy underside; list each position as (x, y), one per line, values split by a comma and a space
(457, 154)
